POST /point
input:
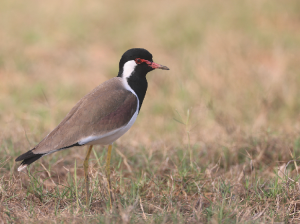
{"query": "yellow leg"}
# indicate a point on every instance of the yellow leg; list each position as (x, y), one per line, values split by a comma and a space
(107, 170)
(86, 174)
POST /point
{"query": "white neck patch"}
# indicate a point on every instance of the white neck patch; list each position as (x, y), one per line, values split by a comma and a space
(128, 69)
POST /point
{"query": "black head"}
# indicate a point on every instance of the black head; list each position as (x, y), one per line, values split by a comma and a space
(133, 68)
(139, 61)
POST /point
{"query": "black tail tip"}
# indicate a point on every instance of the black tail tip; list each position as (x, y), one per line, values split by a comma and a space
(26, 155)
(28, 158)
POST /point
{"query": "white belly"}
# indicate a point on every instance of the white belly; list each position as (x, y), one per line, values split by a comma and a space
(112, 136)
(109, 137)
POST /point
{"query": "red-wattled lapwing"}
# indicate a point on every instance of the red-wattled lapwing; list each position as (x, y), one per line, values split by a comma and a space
(103, 115)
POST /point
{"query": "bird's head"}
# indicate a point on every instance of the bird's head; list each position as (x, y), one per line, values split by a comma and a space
(137, 62)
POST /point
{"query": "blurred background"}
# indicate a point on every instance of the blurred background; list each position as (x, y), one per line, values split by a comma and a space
(230, 101)
(234, 64)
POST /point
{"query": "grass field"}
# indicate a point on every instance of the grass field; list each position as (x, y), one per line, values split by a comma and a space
(218, 136)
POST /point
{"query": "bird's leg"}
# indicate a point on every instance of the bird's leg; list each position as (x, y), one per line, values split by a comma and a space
(107, 170)
(86, 174)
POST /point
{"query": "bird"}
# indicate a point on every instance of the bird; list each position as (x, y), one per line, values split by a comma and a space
(102, 116)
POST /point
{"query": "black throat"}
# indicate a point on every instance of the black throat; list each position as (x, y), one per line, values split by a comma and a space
(138, 83)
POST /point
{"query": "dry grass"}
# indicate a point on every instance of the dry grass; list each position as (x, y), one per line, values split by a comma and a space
(215, 135)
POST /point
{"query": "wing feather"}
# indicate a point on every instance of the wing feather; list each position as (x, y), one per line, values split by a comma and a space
(107, 107)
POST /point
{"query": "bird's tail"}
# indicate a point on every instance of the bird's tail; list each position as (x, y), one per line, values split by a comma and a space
(28, 158)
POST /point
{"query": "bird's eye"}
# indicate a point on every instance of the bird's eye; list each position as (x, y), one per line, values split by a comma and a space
(138, 61)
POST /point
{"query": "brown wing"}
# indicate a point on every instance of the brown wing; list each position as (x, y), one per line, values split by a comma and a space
(107, 107)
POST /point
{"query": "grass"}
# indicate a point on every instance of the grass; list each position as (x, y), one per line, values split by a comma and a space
(217, 139)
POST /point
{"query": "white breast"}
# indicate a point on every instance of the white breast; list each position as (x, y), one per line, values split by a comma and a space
(112, 136)
(109, 137)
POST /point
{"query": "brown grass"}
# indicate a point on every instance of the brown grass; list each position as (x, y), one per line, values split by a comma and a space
(215, 135)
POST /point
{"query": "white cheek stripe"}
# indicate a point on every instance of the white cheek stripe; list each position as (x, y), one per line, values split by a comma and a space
(128, 68)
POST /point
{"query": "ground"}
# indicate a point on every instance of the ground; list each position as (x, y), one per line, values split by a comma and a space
(218, 136)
